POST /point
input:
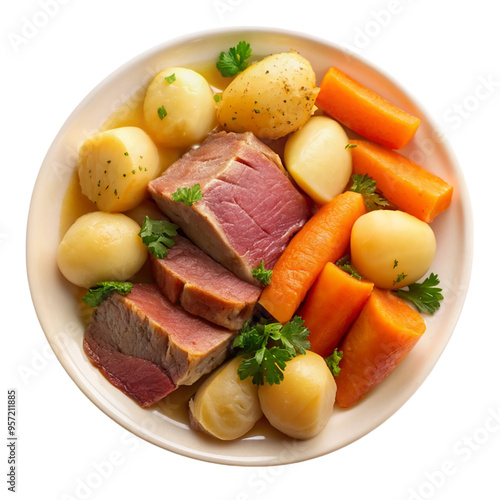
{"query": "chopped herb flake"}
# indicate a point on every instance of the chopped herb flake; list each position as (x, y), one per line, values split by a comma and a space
(162, 112)
(171, 78)
(399, 278)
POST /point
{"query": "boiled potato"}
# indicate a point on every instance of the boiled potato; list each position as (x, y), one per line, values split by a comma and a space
(146, 208)
(100, 246)
(302, 403)
(225, 406)
(271, 98)
(115, 166)
(392, 248)
(317, 159)
(179, 107)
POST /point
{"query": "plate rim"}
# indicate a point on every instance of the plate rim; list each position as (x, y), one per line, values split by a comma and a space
(71, 369)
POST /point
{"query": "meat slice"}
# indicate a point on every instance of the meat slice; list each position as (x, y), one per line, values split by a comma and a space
(144, 324)
(249, 210)
(139, 379)
(203, 287)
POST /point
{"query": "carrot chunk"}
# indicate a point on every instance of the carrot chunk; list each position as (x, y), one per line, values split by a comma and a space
(332, 304)
(364, 111)
(379, 339)
(404, 183)
(324, 238)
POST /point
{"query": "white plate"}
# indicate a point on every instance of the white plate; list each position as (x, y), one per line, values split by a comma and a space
(58, 312)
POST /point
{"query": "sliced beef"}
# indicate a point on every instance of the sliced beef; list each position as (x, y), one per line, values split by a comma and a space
(139, 379)
(144, 324)
(249, 210)
(203, 287)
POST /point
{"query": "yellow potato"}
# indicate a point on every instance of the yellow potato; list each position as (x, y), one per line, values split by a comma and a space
(115, 166)
(317, 159)
(225, 406)
(302, 403)
(100, 246)
(271, 98)
(179, 108)
(392, 248)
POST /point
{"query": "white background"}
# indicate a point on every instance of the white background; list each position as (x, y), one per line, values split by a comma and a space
(444, 443)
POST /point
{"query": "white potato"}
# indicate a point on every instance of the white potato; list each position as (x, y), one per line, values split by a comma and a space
(271, 98)
(225, 406)
(317, 159)
(115, 166)
(302, 403)
(146, 208)
(179, 110)
(101, 246)
(392, 248)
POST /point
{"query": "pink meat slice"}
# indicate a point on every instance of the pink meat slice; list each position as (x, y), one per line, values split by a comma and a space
(249, 210)
(139, 379)
(144, 324)
(204, 287)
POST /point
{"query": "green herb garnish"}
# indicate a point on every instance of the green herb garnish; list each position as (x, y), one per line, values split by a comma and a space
(171, 78)
(158, 236)
(266, 348)
(345, 264)
(366, 186)
(400, 277)
(333, 361)
(96, 294)
(350, 146)
(188, 195)
(262, 274)
(162, 112)
(233, 61)
(426, 295)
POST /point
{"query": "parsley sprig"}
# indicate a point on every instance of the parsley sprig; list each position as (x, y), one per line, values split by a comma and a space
(188, 195)
(366, 186)
(158, 236)
(333, 361)
(233, 61)
(262, 274)
(345, 264)
(426, 295)
(101, 291)
(266, 348)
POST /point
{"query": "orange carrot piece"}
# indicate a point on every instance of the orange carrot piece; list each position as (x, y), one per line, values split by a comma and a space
(324, 238)
(332, 304)
(364, 111)
(383, 334)
(404, 183)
